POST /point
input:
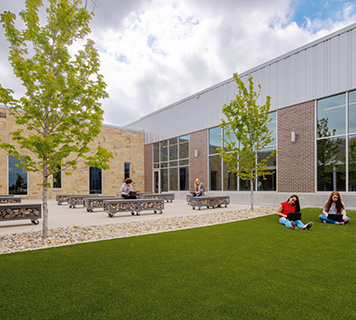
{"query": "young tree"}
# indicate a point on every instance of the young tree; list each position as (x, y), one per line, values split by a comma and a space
(60, 112)
(246, 122)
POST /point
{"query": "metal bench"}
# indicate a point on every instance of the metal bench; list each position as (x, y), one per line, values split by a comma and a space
(20, 212)
(135, 206)
(95, 202)
(209, 201)
(9, 199)
(75, 200)
(169, 197)
(61, 198)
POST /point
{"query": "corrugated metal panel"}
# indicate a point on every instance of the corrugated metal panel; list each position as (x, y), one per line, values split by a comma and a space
(319, 69)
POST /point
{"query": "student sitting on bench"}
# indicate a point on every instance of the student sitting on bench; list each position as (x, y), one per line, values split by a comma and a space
(126, 190)
(198, 188)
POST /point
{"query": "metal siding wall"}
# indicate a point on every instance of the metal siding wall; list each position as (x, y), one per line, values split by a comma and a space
(351, 60)
(343, 52)
(310, 71)
(323, 68)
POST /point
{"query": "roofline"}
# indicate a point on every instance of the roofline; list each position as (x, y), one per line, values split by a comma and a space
(252, 70)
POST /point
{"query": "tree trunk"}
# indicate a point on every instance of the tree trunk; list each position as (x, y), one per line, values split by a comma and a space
(45, 201)
(251, 188)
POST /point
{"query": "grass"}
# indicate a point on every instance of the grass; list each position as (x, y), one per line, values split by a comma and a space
(253, 269)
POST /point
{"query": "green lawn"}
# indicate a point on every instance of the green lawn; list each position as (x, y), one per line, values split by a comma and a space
(253, 269)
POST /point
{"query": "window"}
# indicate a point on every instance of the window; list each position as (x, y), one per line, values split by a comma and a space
(352, 163)
(215, 172)
(57, 178)
(222, 179)
(184, 178)
(156, 152)
(334, 145)
(164, 180)
(184, 147)
(332, 116)
(164, 150)
(171, 161)
(173, 149)
(352, 112)
(269, 183)
(127, 170)
(95, 180)
(17, 177)
(214, 140)
(173, 179)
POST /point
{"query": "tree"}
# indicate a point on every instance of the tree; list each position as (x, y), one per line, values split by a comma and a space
(60, 112)
(246, 122)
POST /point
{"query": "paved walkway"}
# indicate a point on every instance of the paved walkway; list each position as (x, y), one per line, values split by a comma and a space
(62, 216)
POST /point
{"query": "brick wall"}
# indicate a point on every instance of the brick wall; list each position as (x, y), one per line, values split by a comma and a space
(148, 168)
(296, 161)
(198, 165)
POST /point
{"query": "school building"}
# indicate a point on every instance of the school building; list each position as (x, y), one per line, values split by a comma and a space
(314, 123)
(313, 108)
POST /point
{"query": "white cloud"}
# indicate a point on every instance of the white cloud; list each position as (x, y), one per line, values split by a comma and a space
(156, 52)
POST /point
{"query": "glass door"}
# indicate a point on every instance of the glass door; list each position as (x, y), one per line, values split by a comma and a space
(156, 181)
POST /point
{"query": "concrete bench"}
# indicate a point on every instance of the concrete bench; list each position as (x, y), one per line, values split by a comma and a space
(20, 212)
(135, 206)
(9, 199)
(169, 197)
(96, 202)
(209, 201)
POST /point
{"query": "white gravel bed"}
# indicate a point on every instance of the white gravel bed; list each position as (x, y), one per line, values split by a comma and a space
(74, 234)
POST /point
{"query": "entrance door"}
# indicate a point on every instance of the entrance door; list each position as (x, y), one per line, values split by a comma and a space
(156, 181)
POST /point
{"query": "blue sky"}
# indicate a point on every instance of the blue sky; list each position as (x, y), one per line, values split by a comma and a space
(324, 10)
(156, 52)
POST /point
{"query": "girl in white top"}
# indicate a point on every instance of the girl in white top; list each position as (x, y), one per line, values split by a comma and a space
(334, 205)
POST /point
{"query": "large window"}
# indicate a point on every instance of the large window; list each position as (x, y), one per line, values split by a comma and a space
(171, 164)
(215, 162)
(336, 143)
(17, 177)
(220, 175)
(95, 181)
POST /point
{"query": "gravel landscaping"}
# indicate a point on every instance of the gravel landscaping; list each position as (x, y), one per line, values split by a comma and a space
(77, 234)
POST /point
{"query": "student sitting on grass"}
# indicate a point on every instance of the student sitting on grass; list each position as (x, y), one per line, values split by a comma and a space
(290, 206)
(334, 205)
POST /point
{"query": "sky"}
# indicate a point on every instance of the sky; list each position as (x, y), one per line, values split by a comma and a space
(156, 52)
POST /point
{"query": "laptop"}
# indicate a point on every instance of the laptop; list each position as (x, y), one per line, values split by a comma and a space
(335, 217)
(132, 194)
(293, 216)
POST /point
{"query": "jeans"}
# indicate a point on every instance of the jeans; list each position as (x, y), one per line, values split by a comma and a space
(324, 218)
(198, 195)
(286, 222)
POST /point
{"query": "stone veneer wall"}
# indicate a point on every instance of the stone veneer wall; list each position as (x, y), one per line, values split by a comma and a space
(127, 146)
(198, 165)
(296, 161)
(148, 168)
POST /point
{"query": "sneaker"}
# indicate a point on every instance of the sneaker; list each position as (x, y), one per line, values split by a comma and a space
(293, 225)
(308, 226)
